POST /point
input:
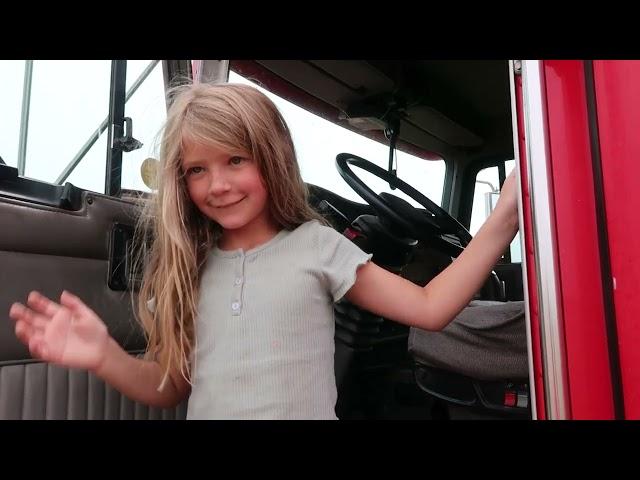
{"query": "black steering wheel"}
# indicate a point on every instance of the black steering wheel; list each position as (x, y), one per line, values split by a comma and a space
(411, 222)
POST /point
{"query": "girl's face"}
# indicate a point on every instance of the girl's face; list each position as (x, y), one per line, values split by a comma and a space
(225, 185)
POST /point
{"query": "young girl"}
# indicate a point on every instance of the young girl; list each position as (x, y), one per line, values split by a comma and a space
(238, 292)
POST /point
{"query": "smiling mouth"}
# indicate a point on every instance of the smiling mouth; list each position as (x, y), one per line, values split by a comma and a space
(229, 204)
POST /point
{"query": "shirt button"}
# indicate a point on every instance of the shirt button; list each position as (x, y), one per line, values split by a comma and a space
(238, 281)
(235, 306)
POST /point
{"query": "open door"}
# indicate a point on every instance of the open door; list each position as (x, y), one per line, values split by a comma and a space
(578, 140)
(66, 222)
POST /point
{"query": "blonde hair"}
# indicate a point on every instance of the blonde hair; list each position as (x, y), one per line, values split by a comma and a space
(223, 115)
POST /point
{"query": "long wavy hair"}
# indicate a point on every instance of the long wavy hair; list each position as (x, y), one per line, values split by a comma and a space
(222, 115)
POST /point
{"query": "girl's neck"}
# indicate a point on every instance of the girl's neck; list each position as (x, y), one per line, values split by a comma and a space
(250, 236)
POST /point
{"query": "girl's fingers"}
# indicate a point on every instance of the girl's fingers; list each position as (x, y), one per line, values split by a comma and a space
(42, 304)
(17, 311)
(21, 313)
(76, 305)
(24, 331)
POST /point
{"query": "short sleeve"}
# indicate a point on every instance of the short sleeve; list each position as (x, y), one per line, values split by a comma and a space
(339, 261)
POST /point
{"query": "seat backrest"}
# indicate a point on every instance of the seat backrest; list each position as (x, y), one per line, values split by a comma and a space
(41, 391)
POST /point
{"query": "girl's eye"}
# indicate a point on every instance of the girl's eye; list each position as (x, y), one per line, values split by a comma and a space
(194, 170)
(236, 160)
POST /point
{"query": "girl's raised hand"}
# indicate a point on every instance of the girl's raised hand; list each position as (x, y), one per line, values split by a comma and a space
(68, 334)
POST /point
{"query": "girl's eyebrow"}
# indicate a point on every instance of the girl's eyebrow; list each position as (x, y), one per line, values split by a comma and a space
(238, 153)
(230, 154)
(185, 164)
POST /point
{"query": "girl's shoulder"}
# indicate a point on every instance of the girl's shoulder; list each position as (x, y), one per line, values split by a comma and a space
(315, 231)
(316, 226)
(308, 228)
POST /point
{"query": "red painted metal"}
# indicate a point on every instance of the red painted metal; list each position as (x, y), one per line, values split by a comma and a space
(578, 253)
(618, 101)
(531, 280)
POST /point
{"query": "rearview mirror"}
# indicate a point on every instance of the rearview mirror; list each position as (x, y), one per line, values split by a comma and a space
(490, 201)
(149, 173)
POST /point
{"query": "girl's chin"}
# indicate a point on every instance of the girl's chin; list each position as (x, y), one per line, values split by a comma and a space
(230, 223)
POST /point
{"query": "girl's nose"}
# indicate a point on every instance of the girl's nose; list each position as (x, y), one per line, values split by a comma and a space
(218, 185)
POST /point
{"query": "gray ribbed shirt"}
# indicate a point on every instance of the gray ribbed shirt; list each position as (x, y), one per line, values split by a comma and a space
(265, 326)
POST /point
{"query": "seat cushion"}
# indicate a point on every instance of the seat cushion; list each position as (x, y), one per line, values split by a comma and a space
(486, 341)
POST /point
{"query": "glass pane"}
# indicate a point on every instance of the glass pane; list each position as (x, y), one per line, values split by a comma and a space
(134, 70)
(12, 74)
(479, 211)
(69, 101)
(90, 172)
(147, 109)
(515, 247)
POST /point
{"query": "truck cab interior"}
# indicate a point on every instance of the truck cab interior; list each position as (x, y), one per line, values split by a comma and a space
(459, 114)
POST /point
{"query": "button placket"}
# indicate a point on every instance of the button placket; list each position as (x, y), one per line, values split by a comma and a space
(238, 282)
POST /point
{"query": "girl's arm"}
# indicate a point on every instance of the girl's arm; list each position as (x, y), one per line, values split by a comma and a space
(435, 305)
(70, 334)
(139, 379)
